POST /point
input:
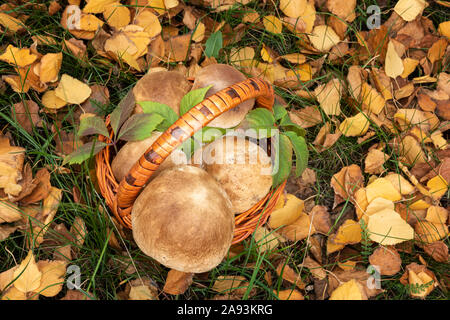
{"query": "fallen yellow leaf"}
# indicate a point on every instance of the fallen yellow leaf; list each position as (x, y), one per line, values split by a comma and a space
(386, 227)
(72, 90)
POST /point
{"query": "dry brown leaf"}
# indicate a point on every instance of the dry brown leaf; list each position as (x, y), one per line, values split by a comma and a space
(41, 190)
(346, 182)
(149, 22)
(438, 250)
(374, 161)
(320, 218)
(343, 9)
(288, 274)
(177, 48)
(437, 214)
(387, 260)
(429, 232)
(177, 282)
(9, 212)
(437, 50)
(266, 240)
(12, 24)
(315, 268)
(26, 113)
(227, 284)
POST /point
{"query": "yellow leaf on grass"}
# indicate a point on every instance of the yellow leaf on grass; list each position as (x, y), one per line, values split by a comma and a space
(117, 15)
(343, 9)
(89, 22)
(11, 23)
(437, 186)
(72, 90)
(242, 57)
(52, 280)
(444, 29)
(429, 232)
(348, 233)
(51, 101)
(97, 6)
(272, 24)
(371, 99)
(199, 33)
(50, 66)
(298, 230)
(355, 126)
(409, 65)
(286, 215)
(27, 274)
(329, 96)
(149, 22)
(293, 8)
(386, 227)
(20, 57)
(383, 188)
(294, 58)
(393, 65)
(437, 50)
(410, 9)
(374, 161)
(401, 184)
(437, 214)
(350, 290)
(323, 38)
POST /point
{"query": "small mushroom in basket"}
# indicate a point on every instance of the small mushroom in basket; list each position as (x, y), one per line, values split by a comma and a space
(166, 87)
(241, 167)
(133, 150)
(221, 76)
(183, 219)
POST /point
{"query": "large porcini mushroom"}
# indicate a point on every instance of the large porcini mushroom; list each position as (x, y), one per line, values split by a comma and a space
(241, 167)
(167, 87)
(183, 219)
(221, 76)
(133, 150)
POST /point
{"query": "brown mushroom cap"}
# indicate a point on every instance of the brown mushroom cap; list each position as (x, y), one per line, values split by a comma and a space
(183, 219)
(167, 87)
(222, 76)
(241, 167)
(133, 150)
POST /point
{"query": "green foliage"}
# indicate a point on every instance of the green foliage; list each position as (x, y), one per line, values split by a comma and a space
(92, 125)
(291, 139)
(213, 45)
(169, 116)
(139, 126)
(84, 152)
(192, 98)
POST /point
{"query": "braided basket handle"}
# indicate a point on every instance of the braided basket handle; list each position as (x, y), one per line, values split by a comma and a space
(181, 130)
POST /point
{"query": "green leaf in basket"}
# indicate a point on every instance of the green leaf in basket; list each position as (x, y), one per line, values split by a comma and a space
(169, 116)
(92, 125)
(192, 98)
(301, 152)
(122, 112)
(262, 121)
(209, 134)
(279, 112)
(139, 126)
(283, 159)
(214, 44)
(84, 152)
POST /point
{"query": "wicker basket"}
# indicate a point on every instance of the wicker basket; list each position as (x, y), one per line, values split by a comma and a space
(121, 196)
